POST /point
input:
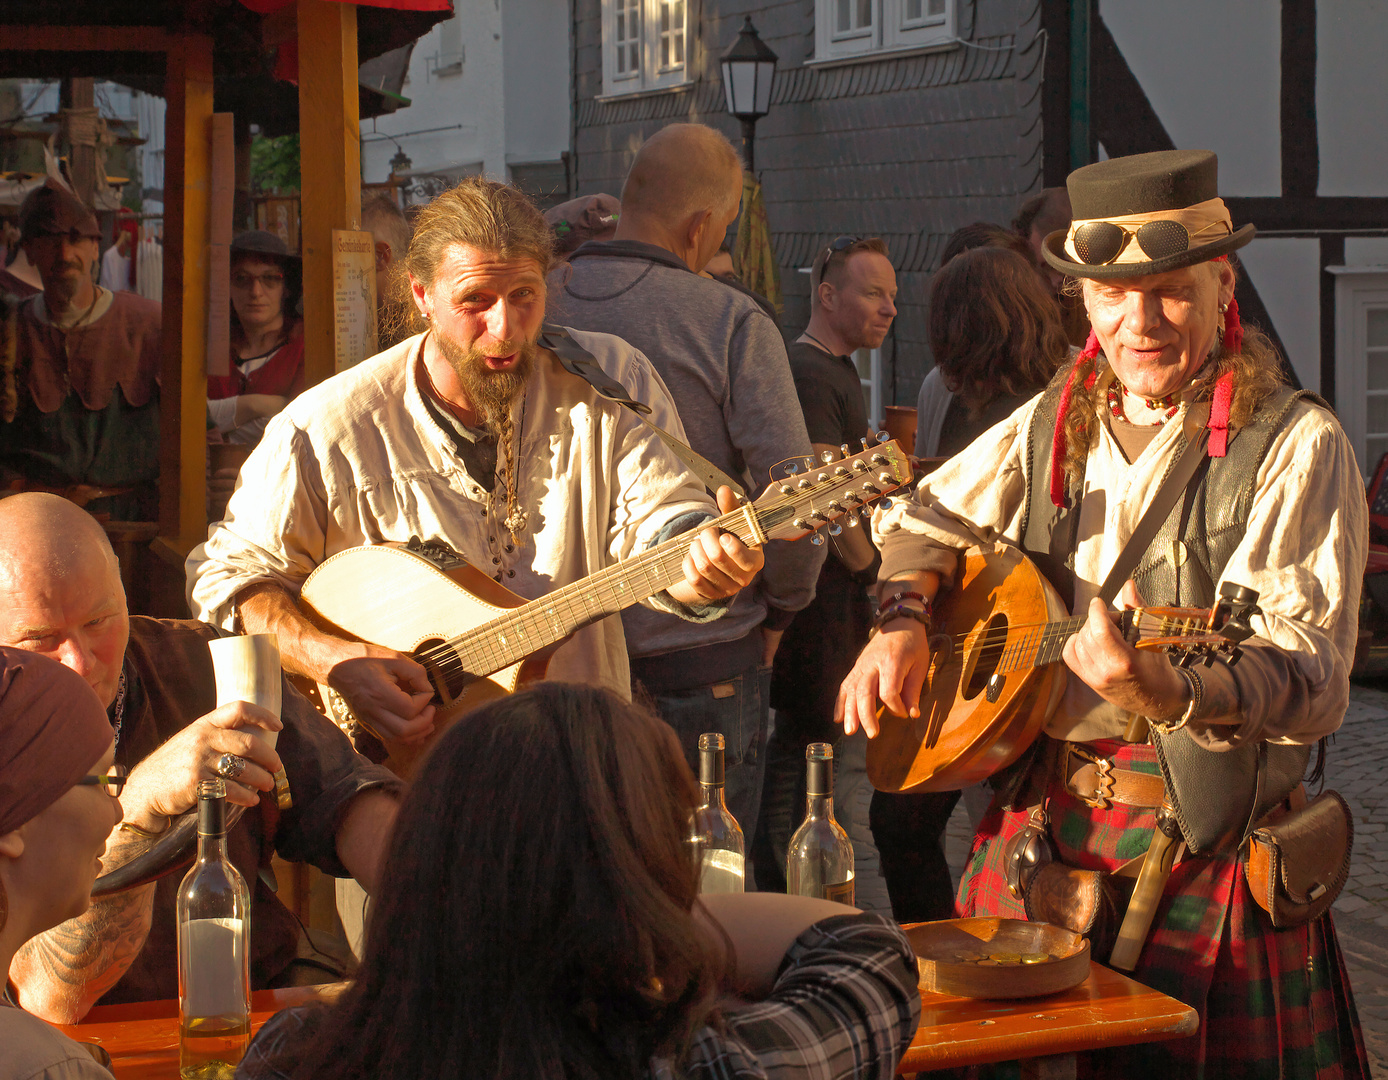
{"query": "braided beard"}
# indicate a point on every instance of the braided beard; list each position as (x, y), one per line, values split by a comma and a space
(492, 394)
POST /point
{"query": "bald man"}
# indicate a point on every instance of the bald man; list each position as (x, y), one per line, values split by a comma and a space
(61, 596)
(725, 364)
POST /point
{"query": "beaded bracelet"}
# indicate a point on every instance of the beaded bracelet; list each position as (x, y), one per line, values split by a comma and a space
(903, 595)
(901, 611)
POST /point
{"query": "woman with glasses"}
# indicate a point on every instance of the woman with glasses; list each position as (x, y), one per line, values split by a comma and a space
(541, 920)
(58, 805)
(267, 343)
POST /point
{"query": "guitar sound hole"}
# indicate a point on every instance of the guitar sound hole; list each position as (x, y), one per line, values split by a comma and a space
(985, 655)
(445, 669)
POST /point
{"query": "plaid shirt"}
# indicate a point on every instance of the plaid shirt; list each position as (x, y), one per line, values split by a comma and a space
(845, 1005)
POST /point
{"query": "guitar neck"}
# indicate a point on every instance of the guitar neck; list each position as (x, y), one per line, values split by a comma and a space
(1048, 641)
(510, 638)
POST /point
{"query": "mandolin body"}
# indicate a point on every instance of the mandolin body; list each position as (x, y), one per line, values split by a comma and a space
(401, 599)
(971, 727)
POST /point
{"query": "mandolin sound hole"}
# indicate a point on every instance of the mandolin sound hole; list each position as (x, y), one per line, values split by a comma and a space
(445, 669)
(985, 655)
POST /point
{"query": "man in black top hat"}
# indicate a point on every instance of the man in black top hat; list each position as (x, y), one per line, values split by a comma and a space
(1131, 739)
(79, 401)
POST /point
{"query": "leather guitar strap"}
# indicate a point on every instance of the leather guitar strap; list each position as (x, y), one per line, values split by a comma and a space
(579, 361)
(1155, 515)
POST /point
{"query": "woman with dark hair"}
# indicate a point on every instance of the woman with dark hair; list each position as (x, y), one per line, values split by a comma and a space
(267, 338)
(997, 339)
(541, 920)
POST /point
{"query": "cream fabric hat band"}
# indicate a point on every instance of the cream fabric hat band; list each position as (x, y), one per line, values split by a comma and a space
(1204, 222)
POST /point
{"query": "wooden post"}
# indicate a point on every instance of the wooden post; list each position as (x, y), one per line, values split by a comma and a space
(329, 163)
(187, 194)
(81, 94)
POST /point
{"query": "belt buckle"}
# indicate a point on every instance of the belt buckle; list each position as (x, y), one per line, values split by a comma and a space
(1102, 799)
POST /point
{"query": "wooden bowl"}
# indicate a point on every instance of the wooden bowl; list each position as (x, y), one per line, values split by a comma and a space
(983, 958)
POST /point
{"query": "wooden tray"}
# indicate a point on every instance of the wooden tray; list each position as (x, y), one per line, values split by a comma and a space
(949, 954)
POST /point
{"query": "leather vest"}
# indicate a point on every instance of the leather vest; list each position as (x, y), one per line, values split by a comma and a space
(1217, 795)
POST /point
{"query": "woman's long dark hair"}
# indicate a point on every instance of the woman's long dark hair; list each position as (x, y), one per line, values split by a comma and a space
(994, 329)
(535, 917)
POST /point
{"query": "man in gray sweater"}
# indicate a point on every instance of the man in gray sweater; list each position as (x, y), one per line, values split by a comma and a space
(725, 364)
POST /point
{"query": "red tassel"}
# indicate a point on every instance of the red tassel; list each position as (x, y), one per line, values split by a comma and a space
(1058, 441)
(1233, 328)
(1219, 414)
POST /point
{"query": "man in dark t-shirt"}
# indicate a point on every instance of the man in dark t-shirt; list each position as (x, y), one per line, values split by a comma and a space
(853, 292)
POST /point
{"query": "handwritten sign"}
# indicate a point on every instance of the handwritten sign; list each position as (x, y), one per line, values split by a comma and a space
(354, 297)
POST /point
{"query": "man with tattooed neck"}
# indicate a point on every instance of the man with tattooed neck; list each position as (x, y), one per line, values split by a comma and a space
(61, 596)
(471, 436)
(1134, 740)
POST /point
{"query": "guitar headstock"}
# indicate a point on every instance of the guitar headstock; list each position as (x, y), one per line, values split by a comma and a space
(1196, 633)
(835, 490)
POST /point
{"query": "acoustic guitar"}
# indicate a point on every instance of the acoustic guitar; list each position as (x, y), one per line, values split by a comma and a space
(996, 674)
(479, 641)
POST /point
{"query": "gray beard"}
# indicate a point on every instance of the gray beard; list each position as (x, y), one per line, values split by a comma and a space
(491, 393)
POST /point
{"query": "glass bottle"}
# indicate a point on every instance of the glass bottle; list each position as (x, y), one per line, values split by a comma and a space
(214, 1000)
(820, 859)
(722, 863)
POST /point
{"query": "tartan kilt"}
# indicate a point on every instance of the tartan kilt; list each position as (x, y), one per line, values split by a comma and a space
(1272, 1003)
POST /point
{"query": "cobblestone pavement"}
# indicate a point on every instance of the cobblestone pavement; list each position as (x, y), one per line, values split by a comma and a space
(1357, 767)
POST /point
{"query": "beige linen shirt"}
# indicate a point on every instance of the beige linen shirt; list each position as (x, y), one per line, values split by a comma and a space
(358, 460)
(1304, 552)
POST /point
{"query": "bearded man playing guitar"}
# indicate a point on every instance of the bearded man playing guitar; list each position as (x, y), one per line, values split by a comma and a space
(1131, 740)
(469, 437)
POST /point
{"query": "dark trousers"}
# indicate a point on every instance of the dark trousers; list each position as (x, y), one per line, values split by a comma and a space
(909, 830)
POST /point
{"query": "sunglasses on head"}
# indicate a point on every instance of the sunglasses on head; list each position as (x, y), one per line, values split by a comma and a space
(838, 244)
(1098, 243)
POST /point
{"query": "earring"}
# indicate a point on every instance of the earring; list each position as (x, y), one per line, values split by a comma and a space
(1223, 308)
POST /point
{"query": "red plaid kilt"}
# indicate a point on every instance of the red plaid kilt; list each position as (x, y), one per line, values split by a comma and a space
(1272, 1003)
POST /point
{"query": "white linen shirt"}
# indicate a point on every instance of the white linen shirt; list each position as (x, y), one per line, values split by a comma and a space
(358, 460)
(1304, 552)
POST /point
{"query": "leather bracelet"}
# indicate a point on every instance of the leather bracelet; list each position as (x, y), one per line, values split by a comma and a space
(131, 827)
(1197, 698)
(903, 595)
(901, 611)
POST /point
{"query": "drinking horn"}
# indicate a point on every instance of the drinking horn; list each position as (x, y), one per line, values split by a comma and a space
(173, 850)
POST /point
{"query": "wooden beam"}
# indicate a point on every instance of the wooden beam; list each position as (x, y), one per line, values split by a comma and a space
(187, 194)
(330, 164)
(87, 39)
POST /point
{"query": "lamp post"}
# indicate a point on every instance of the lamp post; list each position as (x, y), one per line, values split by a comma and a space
(749, 68)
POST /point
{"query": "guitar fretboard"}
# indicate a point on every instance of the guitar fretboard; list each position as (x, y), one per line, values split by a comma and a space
(1037, 646)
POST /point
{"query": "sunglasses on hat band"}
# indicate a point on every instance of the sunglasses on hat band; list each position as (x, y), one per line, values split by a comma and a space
(1098, 243)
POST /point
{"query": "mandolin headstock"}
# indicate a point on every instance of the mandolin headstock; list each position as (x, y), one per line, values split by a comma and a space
(806, 494)
(1197, 633)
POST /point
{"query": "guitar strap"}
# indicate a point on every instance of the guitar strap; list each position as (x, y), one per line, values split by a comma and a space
(1155, 515)
(579, 361)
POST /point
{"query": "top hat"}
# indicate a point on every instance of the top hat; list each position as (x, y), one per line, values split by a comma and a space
(1144, 214)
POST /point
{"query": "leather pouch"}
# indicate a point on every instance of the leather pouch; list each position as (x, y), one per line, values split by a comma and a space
(1082, 901)
(1297, 862)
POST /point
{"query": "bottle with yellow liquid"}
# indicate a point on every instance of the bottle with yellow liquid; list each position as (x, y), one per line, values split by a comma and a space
(722, 863)
(214, 999)
(820, 859)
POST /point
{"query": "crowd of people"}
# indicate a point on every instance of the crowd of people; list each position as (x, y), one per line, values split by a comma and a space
(558, 399)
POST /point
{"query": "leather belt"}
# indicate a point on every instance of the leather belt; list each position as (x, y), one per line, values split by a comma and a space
(1094, 781)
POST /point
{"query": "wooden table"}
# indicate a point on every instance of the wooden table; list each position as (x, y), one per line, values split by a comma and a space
(1045, 1033)
(1107, 1009)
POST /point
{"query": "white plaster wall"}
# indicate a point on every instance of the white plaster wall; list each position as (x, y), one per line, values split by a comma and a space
(1211, 72)
(1366, 250)
(1286, 273)
(475, 99)
(535, 44)
(1352, 96)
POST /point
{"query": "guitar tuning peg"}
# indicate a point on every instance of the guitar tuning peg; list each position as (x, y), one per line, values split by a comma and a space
(864, 442)
(883, 436)
(816, 539)
(851, 519)
(835, 529)
(885, 504)
(826, 456)
(843, 449)
(792, 468)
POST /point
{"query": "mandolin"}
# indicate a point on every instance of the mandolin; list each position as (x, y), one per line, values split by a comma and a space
(996, 674)
(479, 641)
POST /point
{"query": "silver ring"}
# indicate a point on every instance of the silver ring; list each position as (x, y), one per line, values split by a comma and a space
(230, 766)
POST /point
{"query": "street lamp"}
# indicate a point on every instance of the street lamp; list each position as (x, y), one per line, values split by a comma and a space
(749, 68)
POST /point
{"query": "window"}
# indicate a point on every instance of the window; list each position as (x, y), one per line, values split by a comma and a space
(848, 28)
(644, 45)
(869, 365)
(1361, 360)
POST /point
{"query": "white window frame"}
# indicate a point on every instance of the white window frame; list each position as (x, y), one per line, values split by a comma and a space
(1358, 289)
(890, 30)
(870, 361)
(650, 74)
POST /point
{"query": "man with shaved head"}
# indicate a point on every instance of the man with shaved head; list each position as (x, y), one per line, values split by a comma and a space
(61, 595)
(724, 361)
